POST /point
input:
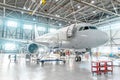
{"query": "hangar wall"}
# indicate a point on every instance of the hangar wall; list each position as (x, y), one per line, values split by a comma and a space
(112, 28)
(18, 31)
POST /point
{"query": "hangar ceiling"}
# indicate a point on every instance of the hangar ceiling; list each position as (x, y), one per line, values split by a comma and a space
(67, 11)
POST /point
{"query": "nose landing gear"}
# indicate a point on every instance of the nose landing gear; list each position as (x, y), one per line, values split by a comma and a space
(78, 58)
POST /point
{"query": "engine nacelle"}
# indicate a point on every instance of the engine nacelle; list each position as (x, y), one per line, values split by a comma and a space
(33, 48)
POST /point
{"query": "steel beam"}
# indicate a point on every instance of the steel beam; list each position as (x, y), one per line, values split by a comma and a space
(99, 8)
(115, 8)
(38, 5)
(75, 12)
(54, 8)
(14, 8)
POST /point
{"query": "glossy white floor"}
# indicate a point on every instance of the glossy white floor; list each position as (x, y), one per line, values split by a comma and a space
(50, 71)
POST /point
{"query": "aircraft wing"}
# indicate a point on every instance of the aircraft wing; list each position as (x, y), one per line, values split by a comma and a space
(59, 35)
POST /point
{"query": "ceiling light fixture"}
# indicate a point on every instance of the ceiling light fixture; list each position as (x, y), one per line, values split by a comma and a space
(92, 2)
(22, 12)
(57, 15)
(115, 8)
(69, 22)
(60, 24)
(107, 16)
(78, 6)
(24, 7)
(33, 19)
(28, 8)
(51, 18)
(94, 11)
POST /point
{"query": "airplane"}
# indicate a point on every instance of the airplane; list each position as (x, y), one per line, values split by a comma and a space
(75, 36)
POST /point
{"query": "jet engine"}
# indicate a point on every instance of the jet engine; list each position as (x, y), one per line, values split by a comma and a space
(33, 48)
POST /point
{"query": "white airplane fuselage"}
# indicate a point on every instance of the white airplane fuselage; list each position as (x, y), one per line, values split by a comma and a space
(85, 39)
(80, 39)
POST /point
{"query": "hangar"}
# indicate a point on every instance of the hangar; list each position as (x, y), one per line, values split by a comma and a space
(59, 39)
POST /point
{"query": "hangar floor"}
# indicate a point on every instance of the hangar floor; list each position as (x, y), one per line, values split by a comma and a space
(72, 70)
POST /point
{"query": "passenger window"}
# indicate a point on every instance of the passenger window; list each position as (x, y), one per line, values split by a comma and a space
(80, 28)
(86, 28)
(91, 27)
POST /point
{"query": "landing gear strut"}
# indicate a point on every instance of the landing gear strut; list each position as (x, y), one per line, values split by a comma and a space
(89, 50)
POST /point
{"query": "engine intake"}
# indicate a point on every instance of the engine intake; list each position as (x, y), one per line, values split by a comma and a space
(33, 48)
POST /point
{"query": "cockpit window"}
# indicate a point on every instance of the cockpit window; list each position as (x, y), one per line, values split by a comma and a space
(86, 28)
(80, 28)
(92, 27)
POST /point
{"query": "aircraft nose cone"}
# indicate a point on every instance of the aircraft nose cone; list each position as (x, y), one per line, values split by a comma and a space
(103, 37)
(106, 37)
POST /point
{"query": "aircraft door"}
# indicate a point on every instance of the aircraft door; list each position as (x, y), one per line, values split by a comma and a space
(71, 31)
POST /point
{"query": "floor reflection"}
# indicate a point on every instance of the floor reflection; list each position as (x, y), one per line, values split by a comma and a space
(71, 70)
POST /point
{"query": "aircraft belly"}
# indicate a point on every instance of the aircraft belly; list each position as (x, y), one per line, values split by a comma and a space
(91, 39)
(66, 45)
(85, 39)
